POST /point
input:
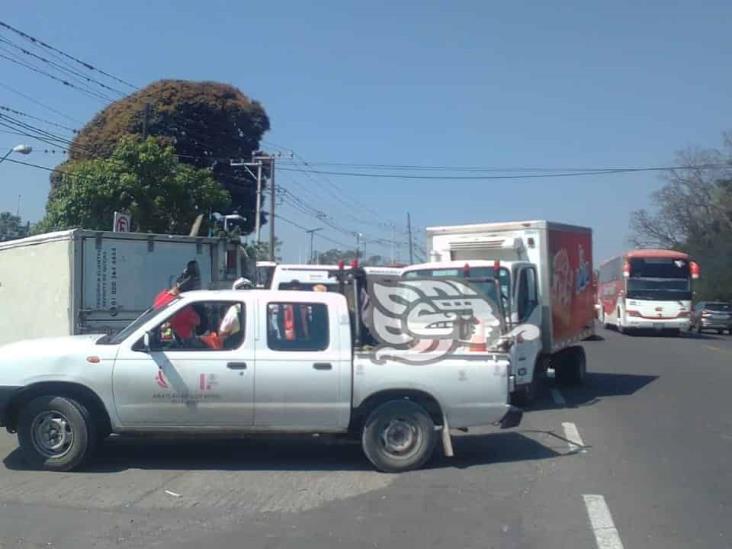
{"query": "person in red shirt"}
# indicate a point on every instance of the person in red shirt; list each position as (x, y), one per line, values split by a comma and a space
(185, 321)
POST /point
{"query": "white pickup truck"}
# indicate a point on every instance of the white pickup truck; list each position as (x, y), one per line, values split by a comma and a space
(285, 363)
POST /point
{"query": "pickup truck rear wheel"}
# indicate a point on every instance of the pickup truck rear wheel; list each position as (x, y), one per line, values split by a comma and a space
(55, 433)
(398, 436)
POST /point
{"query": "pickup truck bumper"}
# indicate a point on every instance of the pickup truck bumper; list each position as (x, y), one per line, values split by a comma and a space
(512, 418)
(6, 395)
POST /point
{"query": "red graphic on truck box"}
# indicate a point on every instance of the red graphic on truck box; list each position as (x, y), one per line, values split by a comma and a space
(571, 283)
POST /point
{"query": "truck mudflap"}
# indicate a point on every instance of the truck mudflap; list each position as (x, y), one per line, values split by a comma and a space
(512, 418)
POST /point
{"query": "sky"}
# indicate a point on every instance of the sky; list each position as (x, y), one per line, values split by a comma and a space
(499, 85)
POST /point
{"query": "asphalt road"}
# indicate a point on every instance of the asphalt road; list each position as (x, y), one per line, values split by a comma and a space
(639, 457)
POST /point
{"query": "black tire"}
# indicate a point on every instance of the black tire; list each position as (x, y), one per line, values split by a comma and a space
(60, 413)
(399, 415)
(571, 366)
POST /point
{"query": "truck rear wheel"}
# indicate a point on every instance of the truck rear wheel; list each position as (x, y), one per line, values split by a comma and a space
(571, 366)
(398, 436)
(55, 433)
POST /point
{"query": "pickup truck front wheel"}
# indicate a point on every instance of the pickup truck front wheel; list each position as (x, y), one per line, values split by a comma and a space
(55, 433)
(398, 436)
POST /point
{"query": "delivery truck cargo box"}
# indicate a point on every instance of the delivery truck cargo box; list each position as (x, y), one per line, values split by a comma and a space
(82, 281)
(563, 257)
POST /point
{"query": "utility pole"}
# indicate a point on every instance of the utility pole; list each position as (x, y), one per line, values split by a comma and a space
(255, 163)
(258, 215)
(358, 245)
(411, 243)
(312, 232)
(272, 208)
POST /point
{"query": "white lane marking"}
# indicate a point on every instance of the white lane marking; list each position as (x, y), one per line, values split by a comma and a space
(573, 437)
(558, 398)
(606, 535)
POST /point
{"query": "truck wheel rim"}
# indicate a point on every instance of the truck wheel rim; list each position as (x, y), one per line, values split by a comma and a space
(52, 434)
(400, 437)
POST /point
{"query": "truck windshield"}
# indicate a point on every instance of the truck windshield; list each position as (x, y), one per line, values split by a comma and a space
(131, 328)
(480, 277)
(659, 279)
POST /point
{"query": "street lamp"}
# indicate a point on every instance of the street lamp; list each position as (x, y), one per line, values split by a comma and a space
(20, 149)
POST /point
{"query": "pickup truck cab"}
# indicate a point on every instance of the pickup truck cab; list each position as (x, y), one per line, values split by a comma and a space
(284, 363)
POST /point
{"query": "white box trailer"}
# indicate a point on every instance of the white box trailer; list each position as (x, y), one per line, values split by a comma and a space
(547, 270)
(82, 281)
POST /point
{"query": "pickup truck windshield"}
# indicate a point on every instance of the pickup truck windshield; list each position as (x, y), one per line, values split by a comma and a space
(477, 276)
(130, 329)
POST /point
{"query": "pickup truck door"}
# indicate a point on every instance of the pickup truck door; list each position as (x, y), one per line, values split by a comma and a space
(526, 311)
(303, 377)
(188, 383)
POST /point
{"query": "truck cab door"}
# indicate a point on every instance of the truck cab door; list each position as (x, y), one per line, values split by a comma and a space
(303, 377)
(526, 312)
(188, 382)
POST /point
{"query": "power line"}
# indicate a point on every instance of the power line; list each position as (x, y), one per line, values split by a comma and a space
(599, 171)
(28, 66)
(84, 64)
(40, 104)
(60, 67)
(49, 122)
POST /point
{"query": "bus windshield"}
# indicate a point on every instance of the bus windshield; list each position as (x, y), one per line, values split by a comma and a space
(477, 278)
(659, 279)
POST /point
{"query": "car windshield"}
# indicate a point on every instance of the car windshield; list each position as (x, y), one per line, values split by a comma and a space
(119, 337)
(723, 307)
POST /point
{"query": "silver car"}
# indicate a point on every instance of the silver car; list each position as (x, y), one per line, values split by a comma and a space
(712, 315)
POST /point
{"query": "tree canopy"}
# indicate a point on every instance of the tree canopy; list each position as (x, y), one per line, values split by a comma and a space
(11, 227)
(694, 214)
(145, 179)
(206, 123)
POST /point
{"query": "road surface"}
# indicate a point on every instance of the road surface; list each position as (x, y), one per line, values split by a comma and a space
(639, 457)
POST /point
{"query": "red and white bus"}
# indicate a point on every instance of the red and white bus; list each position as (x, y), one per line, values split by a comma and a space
(646, 289)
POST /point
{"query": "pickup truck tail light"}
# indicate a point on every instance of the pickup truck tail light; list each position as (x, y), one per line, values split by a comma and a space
(632, 312)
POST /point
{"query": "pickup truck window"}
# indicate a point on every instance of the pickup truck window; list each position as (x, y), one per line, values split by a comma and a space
(201, 326)
(297, 326)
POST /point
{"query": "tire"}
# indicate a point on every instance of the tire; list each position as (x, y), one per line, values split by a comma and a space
(393, 421)
(41, 443)
(571, 367)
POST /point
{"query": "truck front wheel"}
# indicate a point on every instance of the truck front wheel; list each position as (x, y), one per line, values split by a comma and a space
(398, 436)
(55, 433)
(571, 366)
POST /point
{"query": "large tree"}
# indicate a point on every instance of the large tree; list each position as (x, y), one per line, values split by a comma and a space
(207, 123)
(11, 227)
(693, 213)
(145, 179)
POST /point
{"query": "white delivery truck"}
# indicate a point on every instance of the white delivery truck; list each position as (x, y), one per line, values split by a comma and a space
(82, 281)
(545, 275)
